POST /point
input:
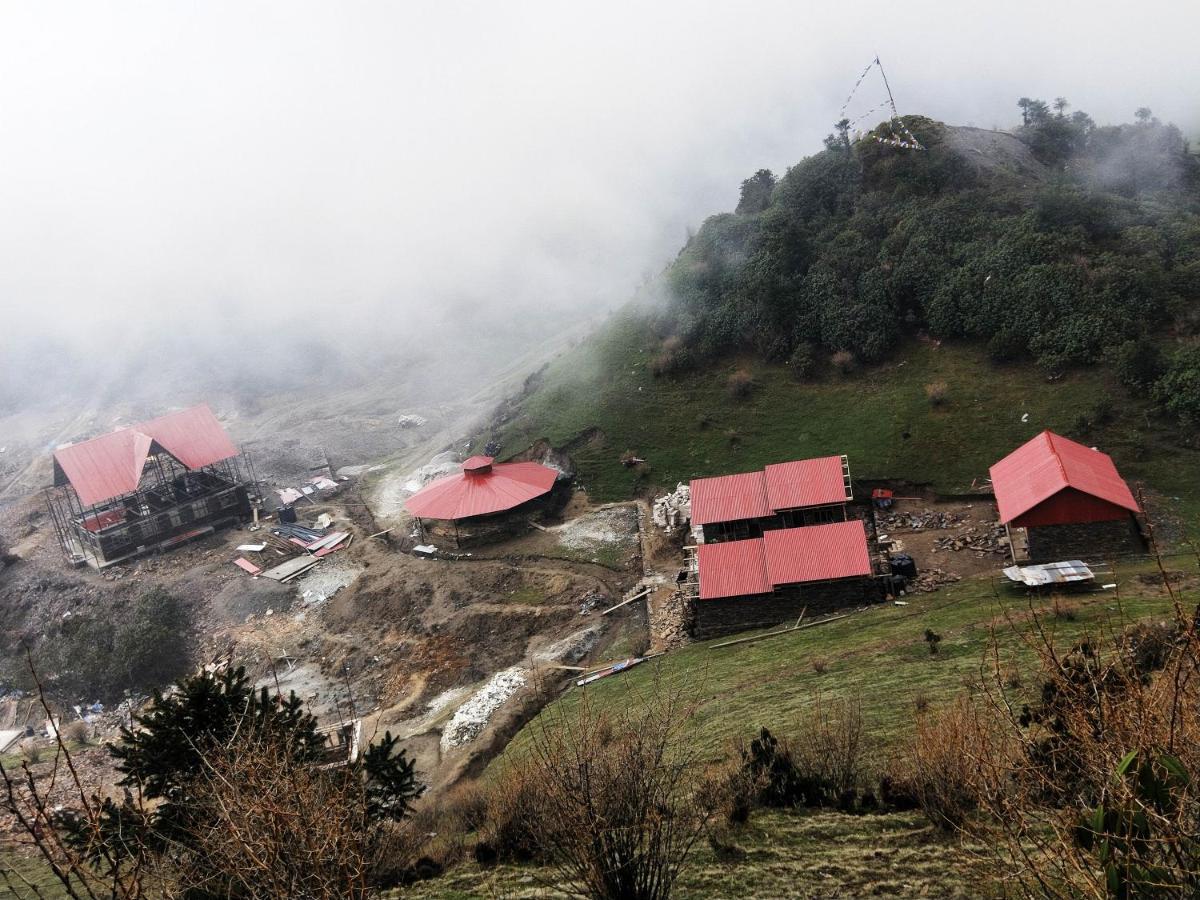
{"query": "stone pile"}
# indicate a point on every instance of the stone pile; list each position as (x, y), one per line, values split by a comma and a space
(922, 521)
(930, 580)
(670, 620)
(673, 510)
(980, 538)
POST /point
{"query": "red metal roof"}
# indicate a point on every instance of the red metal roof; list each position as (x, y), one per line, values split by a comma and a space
(727, 498)
(783, 556)
(806, 482)
(732, 569)
(817, 552)
(754, 495)
(1048, 464)
(111, 465)
(193, 436)
(478, 492)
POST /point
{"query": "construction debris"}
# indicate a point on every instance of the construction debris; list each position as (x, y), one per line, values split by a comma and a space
(290, 569)
(931, 579)
(472, 717)
(1074, 571)
(614, 669)
(247, 566)
(674, 509)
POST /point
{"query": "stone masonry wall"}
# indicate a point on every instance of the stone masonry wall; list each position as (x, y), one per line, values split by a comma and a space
(1092, 542)
(714, 618)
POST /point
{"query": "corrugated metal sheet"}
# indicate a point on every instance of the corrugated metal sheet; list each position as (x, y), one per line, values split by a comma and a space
(756, 495)
(817, 553)
(478, 493)
(111, 465)
(728, 498)
(783, 556)
(732, 569)
(805, 482)
(103, 467)
(193, 436)
(1047, 465)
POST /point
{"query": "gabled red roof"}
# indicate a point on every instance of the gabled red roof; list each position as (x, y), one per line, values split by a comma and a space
(806, 482)
(481, 489)
(727, 498)
(111, 465)
(817, 552)
(755, 495)
(1050, 463)
(783, 556)
(732, 569)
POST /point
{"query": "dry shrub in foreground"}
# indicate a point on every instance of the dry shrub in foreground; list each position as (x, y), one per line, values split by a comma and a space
(611, 798)
(937, 393)
(953, 759)
(278, 827)
(1102, 795)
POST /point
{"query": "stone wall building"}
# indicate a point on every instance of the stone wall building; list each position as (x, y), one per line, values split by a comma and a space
(769, 580)
(1063, 501)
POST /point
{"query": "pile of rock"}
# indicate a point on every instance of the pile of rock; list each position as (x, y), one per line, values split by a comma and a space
(982, 539)
(670, 620)
(673, 510)
(921, 521)
(931, 579)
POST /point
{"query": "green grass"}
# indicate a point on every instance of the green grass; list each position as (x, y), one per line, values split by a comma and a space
(877, 658)
(787, 854)
(689, 425)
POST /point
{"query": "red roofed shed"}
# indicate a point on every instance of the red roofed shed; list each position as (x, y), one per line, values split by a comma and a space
(1070, 498)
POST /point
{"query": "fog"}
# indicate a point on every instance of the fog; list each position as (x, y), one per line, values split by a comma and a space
(453, 181)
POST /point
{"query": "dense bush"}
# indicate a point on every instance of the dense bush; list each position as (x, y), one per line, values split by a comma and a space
(862, 242)
(143, 644)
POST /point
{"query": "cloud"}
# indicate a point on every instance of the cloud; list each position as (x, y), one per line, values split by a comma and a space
(393, 170)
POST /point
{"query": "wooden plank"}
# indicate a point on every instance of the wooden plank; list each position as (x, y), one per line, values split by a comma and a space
(292, 567)
(788, 630)
(637, 596)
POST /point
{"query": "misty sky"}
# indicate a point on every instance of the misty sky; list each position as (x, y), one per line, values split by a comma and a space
(377, 166)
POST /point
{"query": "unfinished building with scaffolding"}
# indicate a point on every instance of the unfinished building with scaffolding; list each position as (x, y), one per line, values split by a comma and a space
(147, 487)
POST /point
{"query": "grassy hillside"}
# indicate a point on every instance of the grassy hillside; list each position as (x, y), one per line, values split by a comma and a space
(601, 399)
(877, 658)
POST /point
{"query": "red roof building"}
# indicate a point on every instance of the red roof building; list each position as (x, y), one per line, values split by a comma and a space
(783, 495)
(482, 488)
(109, 503)
(1070, 499)
(111, 465)
(782, 557)
(1052, 480)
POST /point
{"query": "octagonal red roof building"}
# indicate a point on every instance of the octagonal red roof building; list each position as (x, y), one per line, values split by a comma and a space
(482, 488)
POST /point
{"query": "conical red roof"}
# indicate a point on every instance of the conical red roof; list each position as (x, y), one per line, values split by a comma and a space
(482, 487)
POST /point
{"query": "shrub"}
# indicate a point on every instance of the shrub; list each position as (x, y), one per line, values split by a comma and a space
(820, 665)
(945, 760)
(76, 731)
(612, 801)
(803, 361)
(829, 747)
(31, 751)
(741, 384)
(932, 638)
(1138, 363)
(509, 833)
(937, 393)
(844, 362)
